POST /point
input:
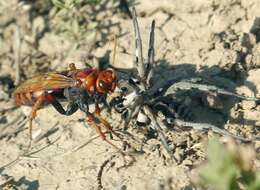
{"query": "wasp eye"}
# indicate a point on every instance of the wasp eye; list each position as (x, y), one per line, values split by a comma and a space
(103, 85)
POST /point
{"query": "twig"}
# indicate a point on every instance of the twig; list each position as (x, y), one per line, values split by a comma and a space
(77, 148)
(28, 155)
(100, 172)
(84, 144)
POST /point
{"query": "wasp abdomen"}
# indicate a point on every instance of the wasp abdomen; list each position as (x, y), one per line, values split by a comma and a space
(27, 98)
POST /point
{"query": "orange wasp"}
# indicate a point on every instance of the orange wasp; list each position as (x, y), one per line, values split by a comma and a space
(78, 86)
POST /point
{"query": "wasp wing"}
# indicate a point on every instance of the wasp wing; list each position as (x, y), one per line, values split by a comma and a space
(47, 81)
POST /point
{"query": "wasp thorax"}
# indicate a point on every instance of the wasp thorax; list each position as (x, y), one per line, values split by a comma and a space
(90, 81)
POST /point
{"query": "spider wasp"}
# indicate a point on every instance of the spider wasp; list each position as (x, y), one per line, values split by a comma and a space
(79, 87)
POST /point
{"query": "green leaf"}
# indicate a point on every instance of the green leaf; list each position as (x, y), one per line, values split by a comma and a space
(220, 173)
(224, 172)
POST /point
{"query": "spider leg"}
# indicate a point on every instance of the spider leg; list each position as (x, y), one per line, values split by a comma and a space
(133, 112)
(156, 126)
(197, 126)
(133, 104)
(149, 68)
(139, 63)
(206, 126)
(185, 85)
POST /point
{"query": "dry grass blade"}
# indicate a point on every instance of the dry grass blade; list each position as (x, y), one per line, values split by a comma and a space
(28, 154)
(17, 47)
(19, 123)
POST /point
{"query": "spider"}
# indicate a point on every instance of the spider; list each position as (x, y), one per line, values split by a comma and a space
(142, 101)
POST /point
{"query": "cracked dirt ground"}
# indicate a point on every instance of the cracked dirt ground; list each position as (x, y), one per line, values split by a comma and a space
(216, 39)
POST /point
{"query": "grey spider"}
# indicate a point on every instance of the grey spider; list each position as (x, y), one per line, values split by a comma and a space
(141, 100)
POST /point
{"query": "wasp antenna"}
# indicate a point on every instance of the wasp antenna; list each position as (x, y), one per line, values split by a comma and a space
(114, 51)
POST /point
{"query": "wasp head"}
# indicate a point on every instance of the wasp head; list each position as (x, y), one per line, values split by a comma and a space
(106, 81)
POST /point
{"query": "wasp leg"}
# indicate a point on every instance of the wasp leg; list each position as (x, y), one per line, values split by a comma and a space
(35, 107)
(109, 128)
(101, 119)
(105, 123)
(91, 117)
(103, 137)
(97, 109)
(71, 108)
